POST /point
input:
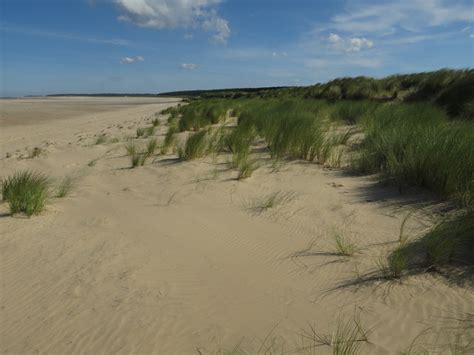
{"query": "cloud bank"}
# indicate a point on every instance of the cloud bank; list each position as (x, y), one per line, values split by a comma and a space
(161, 14)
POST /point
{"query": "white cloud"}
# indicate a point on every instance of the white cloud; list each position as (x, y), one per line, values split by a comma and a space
(177, 14)
(279, 54)
(188, 66)
(131, 60)
(334, 38)
(353, 44)
(471, 35)
(356, 44)
(410, 15)
(219, 26)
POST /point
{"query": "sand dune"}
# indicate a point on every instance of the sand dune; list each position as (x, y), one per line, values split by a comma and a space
(175, 257)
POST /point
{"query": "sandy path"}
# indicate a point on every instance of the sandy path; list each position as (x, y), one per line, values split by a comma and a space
(169, 258)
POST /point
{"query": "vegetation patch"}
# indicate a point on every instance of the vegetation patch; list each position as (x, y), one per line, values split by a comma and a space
(196, 146)
(65, 187)
(272, 200)
(138, 156)
(26, 192)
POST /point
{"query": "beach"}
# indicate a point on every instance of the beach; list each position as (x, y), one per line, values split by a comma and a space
(179, 257)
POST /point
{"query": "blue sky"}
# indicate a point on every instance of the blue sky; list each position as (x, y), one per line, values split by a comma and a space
(90, 46)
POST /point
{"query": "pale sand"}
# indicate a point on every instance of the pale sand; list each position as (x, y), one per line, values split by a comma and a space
(168, 259)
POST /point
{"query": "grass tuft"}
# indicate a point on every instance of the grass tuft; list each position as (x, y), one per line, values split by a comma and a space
(65, 187)
(394, 265)
(170, 139)
(246, 168)
(342, 243)
(151, 147)
(137, 157)
(196, 146)
(346, 338)
(26, 192)
(451, 241)
(270, 201)
(145, 132)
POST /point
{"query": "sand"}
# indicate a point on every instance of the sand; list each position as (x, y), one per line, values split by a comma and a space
(173, 258)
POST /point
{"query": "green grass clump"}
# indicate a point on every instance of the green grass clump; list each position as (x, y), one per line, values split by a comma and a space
(239, 139)
(145, 132)
(155, 122)
(292, 128)
(65, 187)
(170, 139)
(345, 339)
(26, 192)
(394, 265)
(196, 146)
(137, 156)
(351, 111)
(137, 160)
(342, 243)
(270, 201)
(151, 147)
(172, 111)
(451, 241)
(131, 148)
(414, 144)
(200, 114)
(246, 167)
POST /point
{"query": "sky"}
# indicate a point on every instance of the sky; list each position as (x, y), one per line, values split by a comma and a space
(151, 46)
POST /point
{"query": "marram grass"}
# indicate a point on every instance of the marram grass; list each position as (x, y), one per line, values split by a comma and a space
(26, 192)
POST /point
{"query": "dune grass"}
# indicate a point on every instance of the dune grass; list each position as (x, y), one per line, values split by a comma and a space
(26, 192)
(450, 242)
(155, 122)
(346, 338)
(262, 204)
(239, 139)
(196, 146)
(151, 147)
(414, 144)
(343, 245)
(394, 265)
(351, 111)
(200, 114)
(404, 143)
(65, 187)
(246, 166)
(170, 139)
(407, 144)
(145, 132)
(138, 157)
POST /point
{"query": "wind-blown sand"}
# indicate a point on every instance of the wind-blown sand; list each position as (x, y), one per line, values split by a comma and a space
(171, 259)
